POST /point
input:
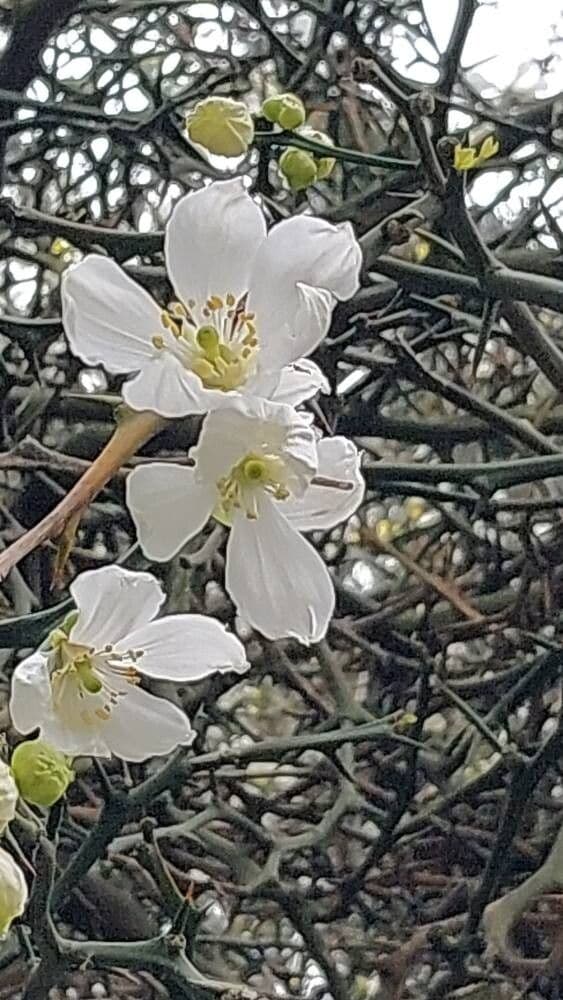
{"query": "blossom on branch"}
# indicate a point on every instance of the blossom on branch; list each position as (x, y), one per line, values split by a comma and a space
(250, 306)
(83, 690)
(261, 470)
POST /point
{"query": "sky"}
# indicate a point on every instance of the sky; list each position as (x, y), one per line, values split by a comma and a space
(505, 38)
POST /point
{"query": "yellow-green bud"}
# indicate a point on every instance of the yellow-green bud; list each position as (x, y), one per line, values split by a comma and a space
(13, 891)
(41, 772)
(8, 796)
(298, 167)
(325, 164)
(286, 110)
(222, 126)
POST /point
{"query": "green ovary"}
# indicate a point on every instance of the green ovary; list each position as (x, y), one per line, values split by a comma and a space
(240, 490)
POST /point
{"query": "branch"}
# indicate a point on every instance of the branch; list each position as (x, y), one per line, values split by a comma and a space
(129, 435)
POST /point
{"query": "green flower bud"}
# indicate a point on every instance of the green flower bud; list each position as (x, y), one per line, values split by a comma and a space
(222, 126)
(13, 891)
(325, 164)
(298, 167)
(286, 110)
(41, 772)
(8, 796)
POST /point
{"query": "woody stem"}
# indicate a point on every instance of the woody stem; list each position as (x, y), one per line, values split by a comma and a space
(127, 438)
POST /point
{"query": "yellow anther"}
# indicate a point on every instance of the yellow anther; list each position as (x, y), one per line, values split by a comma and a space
(230, 299)
(158, 342)
(215, 302)
(169, 324)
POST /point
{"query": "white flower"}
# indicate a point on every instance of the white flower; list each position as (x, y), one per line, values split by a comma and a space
(254, 470)
(13, 891)
(250, 306)
(8, 796)
(82, 691)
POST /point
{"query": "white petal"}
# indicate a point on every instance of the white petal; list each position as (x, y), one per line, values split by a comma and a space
(143, 726)
(303, 266)
(111, 602)
(278, 581)
(299, 382)
(186, 648)
(168, 506)
(30, 694)
(256, 426)
(31, 706)
(108, 318)
(322, 507)
(168, 388)
(74, 739)
(211, 241)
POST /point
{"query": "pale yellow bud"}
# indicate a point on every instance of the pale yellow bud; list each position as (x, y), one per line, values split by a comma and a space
(8, 796)
(41, 772)
(384, 530)
(13, 891)
(222, 126)
(414, 508)
(298, 167)
(286, 110)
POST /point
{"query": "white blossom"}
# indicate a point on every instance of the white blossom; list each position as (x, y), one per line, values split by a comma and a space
(250, 306)
(83, 689)
(256, 470)
(13, 891)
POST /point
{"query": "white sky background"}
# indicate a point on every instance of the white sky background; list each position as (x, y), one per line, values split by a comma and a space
(505, 39)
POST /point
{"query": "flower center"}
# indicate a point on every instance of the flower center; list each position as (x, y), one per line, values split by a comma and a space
(88, 682)
(217, 342)
(240, 490)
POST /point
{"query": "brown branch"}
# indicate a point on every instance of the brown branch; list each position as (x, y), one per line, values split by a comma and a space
(127, 438)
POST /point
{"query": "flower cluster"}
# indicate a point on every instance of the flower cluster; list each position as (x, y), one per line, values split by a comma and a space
(249, 307)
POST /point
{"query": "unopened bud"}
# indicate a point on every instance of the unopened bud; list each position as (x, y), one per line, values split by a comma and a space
(41, 772)
(13, 891)
(325, 164)
(8, 796)
(221, 125)
(286, 110)
(298, 167)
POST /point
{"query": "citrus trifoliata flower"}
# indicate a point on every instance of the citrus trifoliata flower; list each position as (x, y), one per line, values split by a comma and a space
(221, 126)
(8, 796)
(260, 470)
(285, 110)
(251, 305)
(13, 891)
(42, 773)
(83, 689)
